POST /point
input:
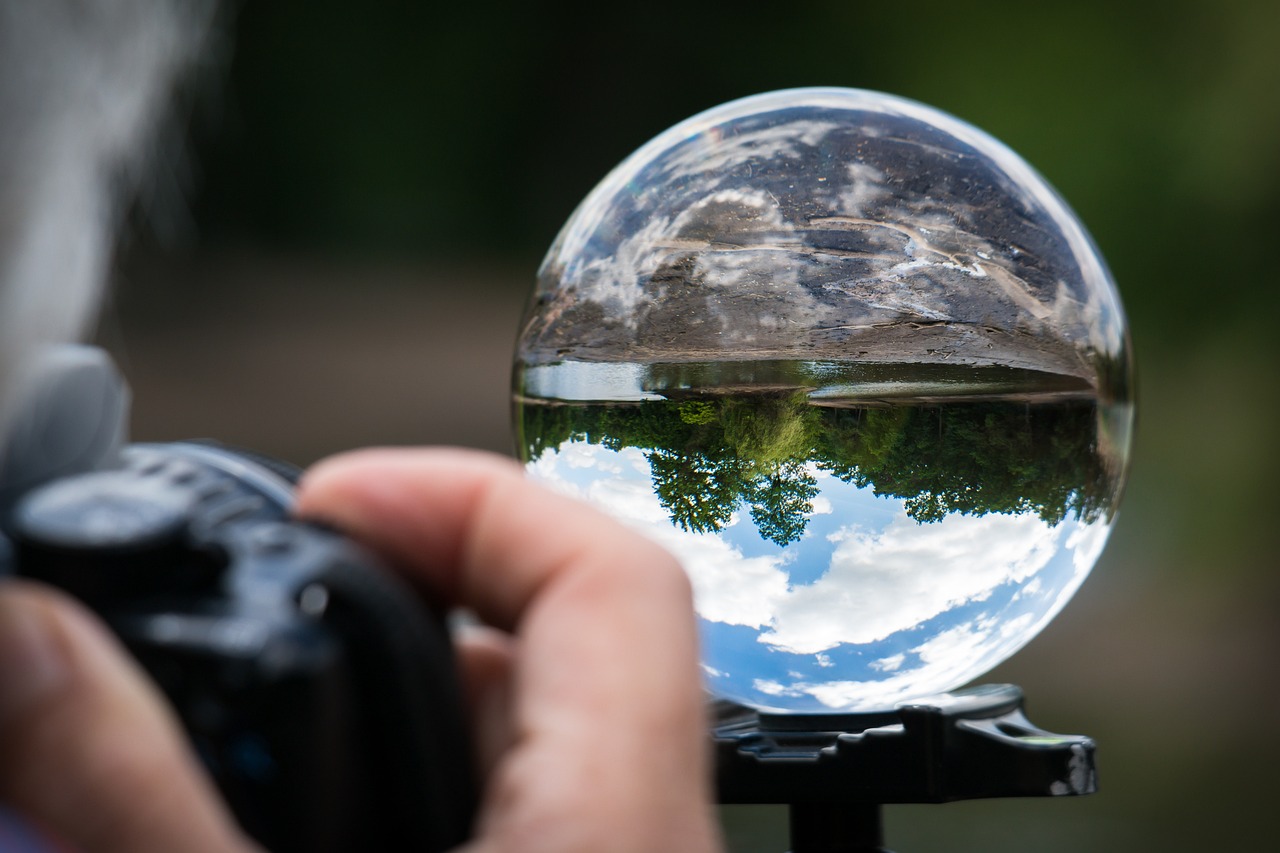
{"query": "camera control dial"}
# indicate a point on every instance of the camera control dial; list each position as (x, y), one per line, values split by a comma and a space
(110, 534)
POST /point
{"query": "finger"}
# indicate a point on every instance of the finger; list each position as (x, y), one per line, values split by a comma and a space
(485, 665)
(609, 708)
(87, 748)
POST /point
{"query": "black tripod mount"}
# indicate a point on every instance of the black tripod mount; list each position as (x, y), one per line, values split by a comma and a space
(836, 771)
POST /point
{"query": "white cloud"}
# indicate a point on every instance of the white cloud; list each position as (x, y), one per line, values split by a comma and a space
(947, 661)
(583, 455)
(770, 687)
(614, 279)
(728, 586)
(890, 664)
(1086, 543)
(546, 470)
(885, 582)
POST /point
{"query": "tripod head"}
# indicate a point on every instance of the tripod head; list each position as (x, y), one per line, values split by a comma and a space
(835, 771)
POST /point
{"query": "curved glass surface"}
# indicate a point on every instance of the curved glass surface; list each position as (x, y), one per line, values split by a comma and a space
(859, 367)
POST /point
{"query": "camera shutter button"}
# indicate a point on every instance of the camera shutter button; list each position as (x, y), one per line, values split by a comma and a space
(106, 534)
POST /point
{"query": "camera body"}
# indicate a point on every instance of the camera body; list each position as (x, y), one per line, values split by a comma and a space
(317, 688)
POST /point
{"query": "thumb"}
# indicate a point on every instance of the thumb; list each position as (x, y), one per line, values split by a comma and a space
(88, 749)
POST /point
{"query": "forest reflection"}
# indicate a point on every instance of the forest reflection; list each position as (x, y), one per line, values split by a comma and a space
(709, 455)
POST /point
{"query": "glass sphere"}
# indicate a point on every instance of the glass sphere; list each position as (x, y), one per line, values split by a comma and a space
(859, 367)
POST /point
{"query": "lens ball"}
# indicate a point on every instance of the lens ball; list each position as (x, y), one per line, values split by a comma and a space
(859, 367)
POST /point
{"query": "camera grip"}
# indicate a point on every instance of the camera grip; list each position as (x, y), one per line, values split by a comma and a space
(318, 689)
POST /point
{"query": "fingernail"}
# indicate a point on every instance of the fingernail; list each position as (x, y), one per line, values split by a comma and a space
(32, 663)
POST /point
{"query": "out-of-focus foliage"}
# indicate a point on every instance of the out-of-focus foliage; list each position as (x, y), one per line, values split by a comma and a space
(429, 128)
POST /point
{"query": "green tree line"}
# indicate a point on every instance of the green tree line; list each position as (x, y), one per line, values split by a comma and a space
(709, 456)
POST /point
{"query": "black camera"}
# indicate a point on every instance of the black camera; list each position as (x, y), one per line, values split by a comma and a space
(317, 688)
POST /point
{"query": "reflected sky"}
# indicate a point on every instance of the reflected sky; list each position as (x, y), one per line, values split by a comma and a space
(868, 607)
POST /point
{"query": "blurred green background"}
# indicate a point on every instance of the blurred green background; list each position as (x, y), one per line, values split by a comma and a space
(369, 188)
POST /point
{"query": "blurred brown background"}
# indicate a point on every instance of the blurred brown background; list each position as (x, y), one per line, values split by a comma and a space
(369, 188)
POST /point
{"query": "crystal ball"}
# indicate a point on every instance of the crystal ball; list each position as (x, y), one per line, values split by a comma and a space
(859, 367)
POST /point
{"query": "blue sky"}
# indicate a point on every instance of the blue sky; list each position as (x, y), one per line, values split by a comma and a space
(868, 608)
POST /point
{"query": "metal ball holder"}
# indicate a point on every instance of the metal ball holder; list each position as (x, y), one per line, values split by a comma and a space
(834, 772)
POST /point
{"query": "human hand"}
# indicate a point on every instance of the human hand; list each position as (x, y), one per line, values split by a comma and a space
(587, 704)
(588, 707)
(91, 758)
